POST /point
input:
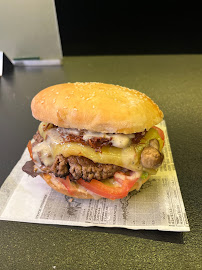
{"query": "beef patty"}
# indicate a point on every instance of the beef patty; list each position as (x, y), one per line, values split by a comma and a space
(75, 167)
(81, 167)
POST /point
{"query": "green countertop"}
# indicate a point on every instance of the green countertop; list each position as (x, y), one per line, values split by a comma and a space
(174, 82)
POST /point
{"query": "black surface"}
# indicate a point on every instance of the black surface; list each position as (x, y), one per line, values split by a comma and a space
(174, 82)
(128, 27)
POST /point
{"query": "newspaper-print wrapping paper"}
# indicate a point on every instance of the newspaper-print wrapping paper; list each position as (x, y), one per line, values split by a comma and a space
(157, 206)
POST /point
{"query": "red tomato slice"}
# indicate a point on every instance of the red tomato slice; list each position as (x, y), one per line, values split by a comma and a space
(68, 184)
(160, 131)
(114, 192)
(29, 146)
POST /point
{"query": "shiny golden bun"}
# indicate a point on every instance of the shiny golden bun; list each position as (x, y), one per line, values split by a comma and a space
(96, 107)
(81, 193)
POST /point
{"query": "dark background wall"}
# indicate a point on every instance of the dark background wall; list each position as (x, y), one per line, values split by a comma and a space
(129, 27)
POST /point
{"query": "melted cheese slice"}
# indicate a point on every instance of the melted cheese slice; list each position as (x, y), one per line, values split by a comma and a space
(128, 157)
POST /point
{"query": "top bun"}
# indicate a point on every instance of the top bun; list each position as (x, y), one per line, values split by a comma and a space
(96, 107)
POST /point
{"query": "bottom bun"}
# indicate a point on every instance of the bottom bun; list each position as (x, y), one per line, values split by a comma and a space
(80, 192)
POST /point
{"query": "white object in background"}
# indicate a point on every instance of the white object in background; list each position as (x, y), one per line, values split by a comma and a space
(29, 29)
(47, 62)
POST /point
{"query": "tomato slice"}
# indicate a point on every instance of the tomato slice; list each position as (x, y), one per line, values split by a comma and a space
(29, 146)
(71, 188)
(112, 192)
(161, 133)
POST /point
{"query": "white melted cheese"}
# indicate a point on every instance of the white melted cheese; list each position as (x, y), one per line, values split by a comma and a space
(43, 151)
(117, 140)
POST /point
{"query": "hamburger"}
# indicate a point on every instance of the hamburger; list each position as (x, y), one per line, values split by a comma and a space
(95, 140)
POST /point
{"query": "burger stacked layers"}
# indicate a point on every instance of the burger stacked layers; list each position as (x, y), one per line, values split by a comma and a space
(95, 140)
